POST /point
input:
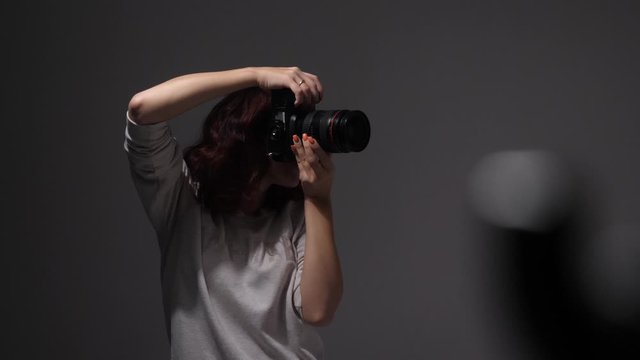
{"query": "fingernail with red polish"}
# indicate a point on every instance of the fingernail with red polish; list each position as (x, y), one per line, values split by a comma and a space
(311, 140)
(304, 136)
(296, 139)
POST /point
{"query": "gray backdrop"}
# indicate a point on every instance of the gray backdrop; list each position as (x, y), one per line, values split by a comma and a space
(443, 82)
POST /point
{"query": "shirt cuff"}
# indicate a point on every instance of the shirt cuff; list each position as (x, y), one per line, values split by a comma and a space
(145, 135)
(129, 118)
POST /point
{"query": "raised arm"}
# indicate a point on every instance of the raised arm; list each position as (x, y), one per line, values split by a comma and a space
(321, 283)
(178, 95)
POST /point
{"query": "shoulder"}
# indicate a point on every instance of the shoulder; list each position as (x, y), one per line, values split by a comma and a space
(194, 185)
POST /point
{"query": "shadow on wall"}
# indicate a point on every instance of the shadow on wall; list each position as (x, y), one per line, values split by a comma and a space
(574, 289)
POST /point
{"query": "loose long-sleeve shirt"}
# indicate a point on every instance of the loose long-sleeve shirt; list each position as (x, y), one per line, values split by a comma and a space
(231, 283)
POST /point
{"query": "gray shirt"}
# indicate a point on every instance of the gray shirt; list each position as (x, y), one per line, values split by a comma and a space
(230, 284)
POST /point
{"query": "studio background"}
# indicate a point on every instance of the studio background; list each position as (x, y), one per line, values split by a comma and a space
(444, 83)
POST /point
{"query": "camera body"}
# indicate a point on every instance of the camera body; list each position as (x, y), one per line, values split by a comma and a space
(337, 131)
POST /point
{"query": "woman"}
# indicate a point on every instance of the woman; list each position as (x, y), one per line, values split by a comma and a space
(249, 265)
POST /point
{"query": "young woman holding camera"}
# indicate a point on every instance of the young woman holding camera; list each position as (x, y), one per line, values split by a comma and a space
(249, 264)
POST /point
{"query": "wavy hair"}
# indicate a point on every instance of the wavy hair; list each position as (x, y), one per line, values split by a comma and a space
(231, 157)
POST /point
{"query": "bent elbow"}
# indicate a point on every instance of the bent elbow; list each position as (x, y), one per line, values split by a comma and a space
(321, 318)
(135, 109)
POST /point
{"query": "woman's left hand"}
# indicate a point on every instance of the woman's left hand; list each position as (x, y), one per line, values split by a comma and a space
(315, 166)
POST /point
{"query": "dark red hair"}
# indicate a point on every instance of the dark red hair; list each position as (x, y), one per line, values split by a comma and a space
(231, 157)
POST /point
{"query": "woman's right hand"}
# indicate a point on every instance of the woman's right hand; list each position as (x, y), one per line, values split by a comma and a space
(305, 86)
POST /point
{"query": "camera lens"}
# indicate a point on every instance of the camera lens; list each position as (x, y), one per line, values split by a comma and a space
(337, 131)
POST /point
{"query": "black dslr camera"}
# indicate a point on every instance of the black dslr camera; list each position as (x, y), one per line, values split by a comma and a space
(337, 131)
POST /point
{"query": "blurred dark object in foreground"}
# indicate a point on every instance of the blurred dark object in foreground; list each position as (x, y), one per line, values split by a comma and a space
(573, 288)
